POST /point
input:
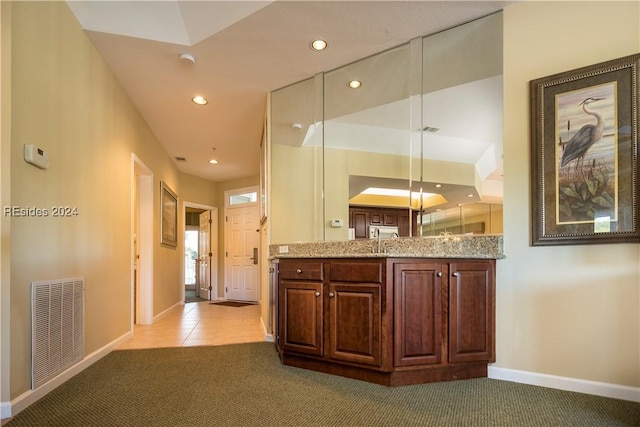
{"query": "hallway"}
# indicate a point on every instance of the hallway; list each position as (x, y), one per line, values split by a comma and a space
(199, 323)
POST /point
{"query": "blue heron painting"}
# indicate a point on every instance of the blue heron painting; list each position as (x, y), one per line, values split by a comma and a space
(586, 178)
(582, 140)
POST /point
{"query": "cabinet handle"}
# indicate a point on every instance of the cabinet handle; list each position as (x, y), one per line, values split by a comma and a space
(317, 293)
(439, 274)
(331, 294)
(456, 274)
(298, 271)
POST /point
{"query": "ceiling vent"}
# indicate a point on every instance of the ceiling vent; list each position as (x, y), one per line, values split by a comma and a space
(430, 129)
(180, 159)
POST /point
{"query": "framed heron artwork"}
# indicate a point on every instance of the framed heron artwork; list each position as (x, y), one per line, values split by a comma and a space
(584, 155)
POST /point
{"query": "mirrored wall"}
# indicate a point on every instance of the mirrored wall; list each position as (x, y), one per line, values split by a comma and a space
(409, 139)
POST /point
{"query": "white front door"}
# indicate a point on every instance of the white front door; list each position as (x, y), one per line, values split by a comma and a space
(204, 255)
(242, 278)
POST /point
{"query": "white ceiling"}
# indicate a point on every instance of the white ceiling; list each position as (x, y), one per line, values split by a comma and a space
(243, 50)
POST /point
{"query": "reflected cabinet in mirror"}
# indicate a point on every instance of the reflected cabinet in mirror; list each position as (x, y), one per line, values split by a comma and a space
(406, 142)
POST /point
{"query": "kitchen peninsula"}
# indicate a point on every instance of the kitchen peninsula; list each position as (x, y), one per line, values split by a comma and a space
(393, 312)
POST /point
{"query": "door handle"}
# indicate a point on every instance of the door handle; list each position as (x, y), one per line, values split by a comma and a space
(255, 256)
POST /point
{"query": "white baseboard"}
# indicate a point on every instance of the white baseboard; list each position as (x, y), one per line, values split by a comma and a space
(267, 336)
(614, 391)
(5, 410)
(9, 409)
(167, 310)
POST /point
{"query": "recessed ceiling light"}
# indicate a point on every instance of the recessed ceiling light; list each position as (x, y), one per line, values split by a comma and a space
(318, 45)
(438, 185)
(200, 100)
(469, 195)
(213, 161)
(355, 84)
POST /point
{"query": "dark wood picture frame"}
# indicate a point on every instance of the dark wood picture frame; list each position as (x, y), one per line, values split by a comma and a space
(584, 155)
(168, 216)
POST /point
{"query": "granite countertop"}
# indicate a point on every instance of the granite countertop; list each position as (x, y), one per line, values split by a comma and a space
(486, 246)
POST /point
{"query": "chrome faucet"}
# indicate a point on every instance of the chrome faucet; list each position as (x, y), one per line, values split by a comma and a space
(376, 233)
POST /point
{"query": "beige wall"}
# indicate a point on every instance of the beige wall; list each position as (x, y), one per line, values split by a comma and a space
(66, 100)
(296, 197)
(571, 311)
(5, 198)
(198, 190)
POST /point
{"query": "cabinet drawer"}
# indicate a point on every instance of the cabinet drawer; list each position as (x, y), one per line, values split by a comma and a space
(362, 272)
(311, 270)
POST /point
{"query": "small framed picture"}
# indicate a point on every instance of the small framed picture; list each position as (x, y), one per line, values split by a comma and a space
(168, 216)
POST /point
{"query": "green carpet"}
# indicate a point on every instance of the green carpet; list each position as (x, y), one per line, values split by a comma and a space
(245, 385)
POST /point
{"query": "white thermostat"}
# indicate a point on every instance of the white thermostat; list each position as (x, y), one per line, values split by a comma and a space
(336, 223)
(36, 156)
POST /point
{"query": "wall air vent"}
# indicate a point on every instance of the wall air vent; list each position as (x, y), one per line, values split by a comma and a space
(180, 159)
(57, 327)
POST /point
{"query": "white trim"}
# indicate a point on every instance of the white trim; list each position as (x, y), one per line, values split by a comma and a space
(9, 409)
(243, 190)
(142, 179)
(167, 310)
(267, 336)
(5, 410)
(227, 234)
(214, 245)
(614, 391)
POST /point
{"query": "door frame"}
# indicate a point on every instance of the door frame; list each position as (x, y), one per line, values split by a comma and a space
(227, 205)
(141, 208)
(215, 259)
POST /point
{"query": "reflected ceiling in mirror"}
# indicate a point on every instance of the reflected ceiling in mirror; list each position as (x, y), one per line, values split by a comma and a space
(427, 117)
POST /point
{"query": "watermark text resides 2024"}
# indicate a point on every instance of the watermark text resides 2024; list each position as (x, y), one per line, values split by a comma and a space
(34, 211)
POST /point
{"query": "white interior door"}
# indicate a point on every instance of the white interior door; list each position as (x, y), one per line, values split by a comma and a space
(204, 255)
(242, 253)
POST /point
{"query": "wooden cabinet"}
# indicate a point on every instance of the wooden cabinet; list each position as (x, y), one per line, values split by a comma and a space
(355, 312)
(332, 310)
(433, 298)
(420, 321)
(392, 321)
(361, 218)
(300, 294)
(472, 312)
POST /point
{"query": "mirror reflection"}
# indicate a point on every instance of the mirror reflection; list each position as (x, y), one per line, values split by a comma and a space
(408, 141)
(367, 141)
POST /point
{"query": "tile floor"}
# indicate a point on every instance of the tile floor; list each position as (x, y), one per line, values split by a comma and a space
(199, 323)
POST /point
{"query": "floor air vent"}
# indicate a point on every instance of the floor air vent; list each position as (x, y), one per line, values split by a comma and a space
(57, 327)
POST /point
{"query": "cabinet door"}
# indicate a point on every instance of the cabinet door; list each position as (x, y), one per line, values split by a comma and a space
(390, 219)
(300, 307)
(360, 224)
(403, 225)
(376, 218)
(419, 330)
(354, 323)
(472, 311)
